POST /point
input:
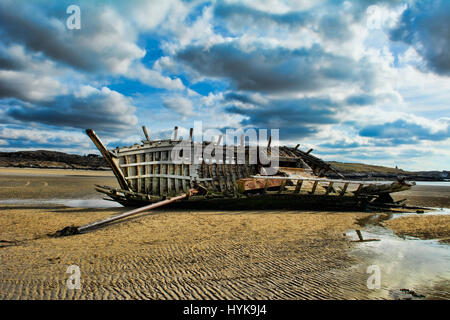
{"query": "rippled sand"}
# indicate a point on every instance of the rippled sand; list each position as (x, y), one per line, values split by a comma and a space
(171, 255)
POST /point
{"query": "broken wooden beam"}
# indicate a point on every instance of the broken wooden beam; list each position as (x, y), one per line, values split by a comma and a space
(298, 187)
(344, 189)
(330, 188)
(112, 161)
(146, 133)
(97, 224)
(314, 187)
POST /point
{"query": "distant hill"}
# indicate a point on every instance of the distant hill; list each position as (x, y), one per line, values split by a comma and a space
(367, 171)
(52, 159)
(61, 160)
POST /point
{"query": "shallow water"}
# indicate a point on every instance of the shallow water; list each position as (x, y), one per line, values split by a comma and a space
(433, 183)
(404, 263)
(434, 211)
(75, 203)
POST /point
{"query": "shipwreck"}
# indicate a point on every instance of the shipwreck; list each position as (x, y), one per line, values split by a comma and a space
(176, 172)
(148, 173)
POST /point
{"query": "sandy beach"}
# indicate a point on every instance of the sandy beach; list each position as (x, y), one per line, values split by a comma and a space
(183, 254)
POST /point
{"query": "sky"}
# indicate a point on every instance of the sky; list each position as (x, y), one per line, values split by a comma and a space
(357, 81)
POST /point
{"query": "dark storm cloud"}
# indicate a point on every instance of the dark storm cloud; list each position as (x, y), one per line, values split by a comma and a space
(331, 19)
(278, 69)
(295, 117)
(105, 111)
(98, 46)
(425, 25)
(251, 16)
(404, 132)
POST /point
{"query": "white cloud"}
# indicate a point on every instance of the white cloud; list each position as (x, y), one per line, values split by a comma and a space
(28, 86)
(154, 78)
(180, 105)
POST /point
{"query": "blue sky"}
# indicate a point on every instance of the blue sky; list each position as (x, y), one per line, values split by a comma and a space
(358, 81)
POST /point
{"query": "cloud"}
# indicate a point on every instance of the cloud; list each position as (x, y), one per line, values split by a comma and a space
(295, 118)
(154, 78)
(179, 104)
(407, 131)
(105, 42)
(278, 69)
(28, 86)
(104, 110)
(425, 25)
(341, 144)
(360, 79)
(239, 14)
(20, 138)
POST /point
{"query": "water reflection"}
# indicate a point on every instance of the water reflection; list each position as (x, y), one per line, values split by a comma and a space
(408, 263)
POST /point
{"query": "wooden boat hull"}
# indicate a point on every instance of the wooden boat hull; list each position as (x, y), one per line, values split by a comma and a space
(149, 173)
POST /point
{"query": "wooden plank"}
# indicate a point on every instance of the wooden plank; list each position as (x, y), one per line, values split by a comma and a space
(358, 189)
(177, 171)
(211, 175)
(139, 172)
(170, 181)
(183, 181)
(329, 188)
(127, 171)
(147, 171)
(283, 184)
(344, 189)
(156, 168)
(146, 163)
(249, 184)
(314, 187)
(220, 178)
(322, 180)
(298, 187)
(146, 148)
(229, 187)
(204, 174)
(163, 175)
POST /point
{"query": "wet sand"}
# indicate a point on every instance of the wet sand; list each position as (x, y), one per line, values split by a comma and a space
(428, 196)
(423, 227)
(170, 255)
